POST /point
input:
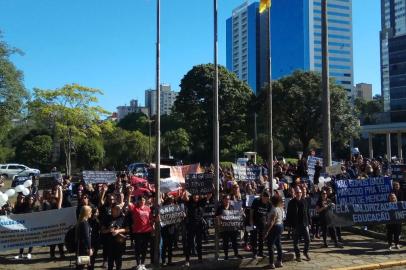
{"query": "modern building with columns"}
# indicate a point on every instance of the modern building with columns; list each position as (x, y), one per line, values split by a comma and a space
(392, 131)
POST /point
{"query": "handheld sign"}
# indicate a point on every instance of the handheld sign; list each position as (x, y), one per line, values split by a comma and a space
(311, 164)
(99, 177)
(334, 170)
(171, 214)
(240, 172)
(231, 220)
(199, 183)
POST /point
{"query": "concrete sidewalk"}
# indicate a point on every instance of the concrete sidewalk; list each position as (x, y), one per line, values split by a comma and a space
(358, 250)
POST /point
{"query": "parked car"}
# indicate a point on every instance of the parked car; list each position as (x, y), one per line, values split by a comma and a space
(11, 170)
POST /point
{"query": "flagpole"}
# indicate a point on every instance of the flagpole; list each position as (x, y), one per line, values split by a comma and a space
(157, 241)
(326, 88)
(216, 128)
(270, 135)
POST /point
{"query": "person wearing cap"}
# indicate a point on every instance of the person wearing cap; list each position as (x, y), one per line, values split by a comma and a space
(260, 209)
(298, 217)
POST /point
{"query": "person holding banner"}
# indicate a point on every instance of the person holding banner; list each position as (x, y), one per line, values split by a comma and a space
(231, 235)
(393, 230)
(168, 234)
(274, 230)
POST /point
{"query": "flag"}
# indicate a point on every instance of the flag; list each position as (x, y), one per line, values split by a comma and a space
(263, 5)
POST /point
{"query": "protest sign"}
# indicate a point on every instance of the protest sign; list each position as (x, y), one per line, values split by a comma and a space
(366, 214)
(99, 177)
(399, 174)
(334, 170)
(240, 172)
(35, 229)
(250, 199)
(231, 220)
(19, 180)
(47, 181)
(209, 213)
(253, 173)
(371, 190)
(171, 214)
(314, 198)
(311, 164)
(199, 183)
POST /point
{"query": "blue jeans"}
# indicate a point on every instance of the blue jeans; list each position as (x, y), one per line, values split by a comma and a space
(298, 232)
(274, 239)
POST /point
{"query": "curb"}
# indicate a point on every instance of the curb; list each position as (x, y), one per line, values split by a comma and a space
(373, 266)
(371, 234)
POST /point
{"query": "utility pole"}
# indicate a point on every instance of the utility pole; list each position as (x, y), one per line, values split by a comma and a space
(216, 126)
(157, 239)
(326, 88)
(269, 95)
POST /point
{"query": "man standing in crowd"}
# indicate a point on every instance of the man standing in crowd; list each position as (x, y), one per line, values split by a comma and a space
(260, 209)
(298, 217)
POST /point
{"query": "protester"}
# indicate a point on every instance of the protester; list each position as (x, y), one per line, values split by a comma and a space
(228, 236)
(168, 234)
(393, 230)
(322, 207)
(141, 230)
(298, 218)
(95, 227)
(274, 230)
(114, 228)
(259, 212)
(83, 234)
(195, 225)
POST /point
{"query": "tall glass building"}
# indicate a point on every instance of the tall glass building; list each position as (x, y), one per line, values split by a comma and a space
(393, 58)
(296, 40)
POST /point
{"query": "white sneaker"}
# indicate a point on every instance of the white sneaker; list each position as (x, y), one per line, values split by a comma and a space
(18, 257)
(29, 256)
(187, 264)
(138, 267)
(397, 246)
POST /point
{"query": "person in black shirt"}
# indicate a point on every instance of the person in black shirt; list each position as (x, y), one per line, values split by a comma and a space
(322, 207)
(194, 226)
(95, 226)
(114, 229)
(228, 235)
(260, 209)
(298, 218)
(83, 234)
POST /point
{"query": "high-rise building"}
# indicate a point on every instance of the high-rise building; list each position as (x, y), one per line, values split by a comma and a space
(168, 98)
(295, 41)
(364, 91)
(393, 57)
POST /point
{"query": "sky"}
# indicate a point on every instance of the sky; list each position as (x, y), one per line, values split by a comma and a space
(110, 44)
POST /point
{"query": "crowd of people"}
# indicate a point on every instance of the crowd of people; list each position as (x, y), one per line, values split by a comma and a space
(113, 216)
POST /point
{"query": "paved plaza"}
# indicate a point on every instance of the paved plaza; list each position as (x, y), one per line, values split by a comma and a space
(357, 251)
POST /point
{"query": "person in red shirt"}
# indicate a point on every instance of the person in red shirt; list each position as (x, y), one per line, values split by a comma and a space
(141, 229)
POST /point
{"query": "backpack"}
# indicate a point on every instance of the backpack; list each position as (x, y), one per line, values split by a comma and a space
(70, 240)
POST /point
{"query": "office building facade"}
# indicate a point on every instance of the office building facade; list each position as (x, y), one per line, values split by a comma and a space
(363, 91)
(393, 58)
(123, 111)
(295, 41)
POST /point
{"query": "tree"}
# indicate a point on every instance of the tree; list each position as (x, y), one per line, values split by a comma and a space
(194, 105)
(72, 111)
(35, 152)
(135, 121)
(297, 110)
(176, 143)
(369, 110)
(90, 153)
(12, 90)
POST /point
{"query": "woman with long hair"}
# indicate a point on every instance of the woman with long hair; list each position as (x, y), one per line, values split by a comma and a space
(274, 231)
(83, 234)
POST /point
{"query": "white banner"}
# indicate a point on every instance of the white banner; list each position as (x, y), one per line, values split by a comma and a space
(35, 229)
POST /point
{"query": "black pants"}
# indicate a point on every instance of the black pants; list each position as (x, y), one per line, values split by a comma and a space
(227, 238)
(257, 241)
(142, 240)
(168, 240)
(115, 256)
(52, 250)
(331, 231)
(393, 233)
(194, 236)
(22, 250)
(93, 258)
